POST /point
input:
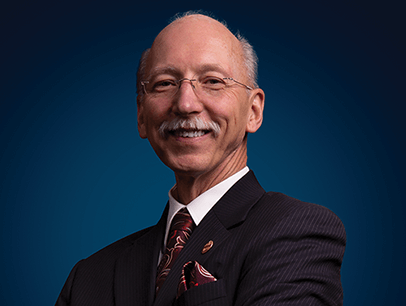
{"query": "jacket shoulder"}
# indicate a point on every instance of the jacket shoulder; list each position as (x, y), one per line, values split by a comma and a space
(277, 213)
(283, 206)
(293, 251)
(88, 276)
(113, 250)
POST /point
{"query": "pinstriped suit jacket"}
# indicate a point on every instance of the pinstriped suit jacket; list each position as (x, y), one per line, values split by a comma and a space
(269, 249)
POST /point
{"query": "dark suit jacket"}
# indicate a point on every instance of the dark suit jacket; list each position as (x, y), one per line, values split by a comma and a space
(268, 249)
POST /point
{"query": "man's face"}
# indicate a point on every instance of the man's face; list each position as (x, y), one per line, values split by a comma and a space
(197, 49)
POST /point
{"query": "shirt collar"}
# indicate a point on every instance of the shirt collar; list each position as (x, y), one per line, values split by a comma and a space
(200, 206)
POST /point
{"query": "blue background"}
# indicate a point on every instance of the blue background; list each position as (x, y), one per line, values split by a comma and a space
(75, 176)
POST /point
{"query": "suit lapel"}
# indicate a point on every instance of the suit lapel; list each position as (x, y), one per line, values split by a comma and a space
(235, 205)
(230, 210)
(136, 269)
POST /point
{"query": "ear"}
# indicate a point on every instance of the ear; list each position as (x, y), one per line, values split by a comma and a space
(257, 100)
(140, 118)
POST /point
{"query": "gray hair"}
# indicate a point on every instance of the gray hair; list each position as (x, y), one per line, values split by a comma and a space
(249, 54)
(141, 70)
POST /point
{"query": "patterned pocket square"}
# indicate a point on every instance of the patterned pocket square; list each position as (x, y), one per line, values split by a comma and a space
(193, 274)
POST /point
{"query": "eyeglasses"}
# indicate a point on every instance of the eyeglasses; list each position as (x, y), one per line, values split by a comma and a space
(208, 86)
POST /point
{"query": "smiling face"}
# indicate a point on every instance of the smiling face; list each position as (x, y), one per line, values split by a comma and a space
(196, 132)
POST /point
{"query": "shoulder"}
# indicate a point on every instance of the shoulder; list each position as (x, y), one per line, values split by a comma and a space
(107, 256)
(282, 205)
(89, 275)
(293, 250)
(284, 213)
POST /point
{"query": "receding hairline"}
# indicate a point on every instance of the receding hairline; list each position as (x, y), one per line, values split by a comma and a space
(249, 57)
(197, 16)
(200, 17)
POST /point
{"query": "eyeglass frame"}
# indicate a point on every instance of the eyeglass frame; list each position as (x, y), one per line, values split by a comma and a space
(194, 80)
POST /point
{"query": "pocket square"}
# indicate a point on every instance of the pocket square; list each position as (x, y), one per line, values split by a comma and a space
(193, 274)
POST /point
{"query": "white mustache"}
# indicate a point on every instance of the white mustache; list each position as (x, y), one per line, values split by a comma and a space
(194, 123)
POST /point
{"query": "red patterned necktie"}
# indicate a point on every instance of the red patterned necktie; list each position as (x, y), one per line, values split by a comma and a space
(181, 228)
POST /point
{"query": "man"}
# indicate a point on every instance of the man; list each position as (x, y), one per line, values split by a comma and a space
(197, 101)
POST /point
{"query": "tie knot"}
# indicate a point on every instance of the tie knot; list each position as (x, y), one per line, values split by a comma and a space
(182, 221)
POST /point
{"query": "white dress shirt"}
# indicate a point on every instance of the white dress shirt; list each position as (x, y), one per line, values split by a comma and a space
(200, 206)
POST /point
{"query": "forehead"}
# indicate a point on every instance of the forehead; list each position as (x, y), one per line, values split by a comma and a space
(195, 44)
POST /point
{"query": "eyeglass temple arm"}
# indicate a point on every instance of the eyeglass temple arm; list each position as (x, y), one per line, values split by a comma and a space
(246, 86)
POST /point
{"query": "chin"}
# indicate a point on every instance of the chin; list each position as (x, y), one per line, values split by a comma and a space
(189, 166)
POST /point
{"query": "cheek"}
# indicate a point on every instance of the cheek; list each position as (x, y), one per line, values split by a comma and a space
(154, 115)
(228, 107)
(234, 110)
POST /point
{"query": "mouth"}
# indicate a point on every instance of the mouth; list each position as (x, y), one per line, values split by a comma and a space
(188, 133)
(188, 128)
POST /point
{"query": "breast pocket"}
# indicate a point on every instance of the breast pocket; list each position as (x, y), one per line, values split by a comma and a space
(212, 294)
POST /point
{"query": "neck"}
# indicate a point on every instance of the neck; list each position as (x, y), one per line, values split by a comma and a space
(190, 186)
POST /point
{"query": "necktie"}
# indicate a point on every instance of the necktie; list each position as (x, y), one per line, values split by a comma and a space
(181, 228)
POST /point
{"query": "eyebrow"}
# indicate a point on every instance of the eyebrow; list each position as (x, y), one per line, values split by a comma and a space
(212, 67)
(163, 70)
(176, 72)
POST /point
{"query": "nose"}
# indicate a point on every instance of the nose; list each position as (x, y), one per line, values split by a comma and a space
(186, 101)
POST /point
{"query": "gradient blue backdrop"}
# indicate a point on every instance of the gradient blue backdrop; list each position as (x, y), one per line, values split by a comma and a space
(75, 176)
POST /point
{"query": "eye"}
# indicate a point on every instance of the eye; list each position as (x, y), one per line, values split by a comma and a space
(213, 83)
(164, 85)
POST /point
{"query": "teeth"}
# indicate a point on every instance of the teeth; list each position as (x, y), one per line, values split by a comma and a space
(189, 134)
